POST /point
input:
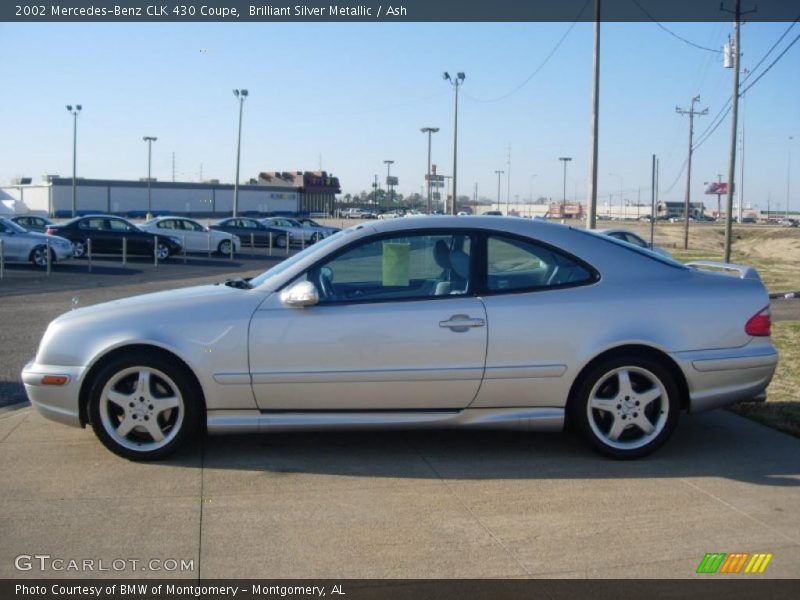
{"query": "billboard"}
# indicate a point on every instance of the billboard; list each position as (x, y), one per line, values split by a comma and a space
(391, 180)
(719, 188)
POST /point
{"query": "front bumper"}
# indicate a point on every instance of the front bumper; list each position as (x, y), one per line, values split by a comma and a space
(62, 252)
(721, 377)
(57, 402)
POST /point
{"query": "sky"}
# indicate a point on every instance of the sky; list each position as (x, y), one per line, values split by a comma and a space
(350, 96)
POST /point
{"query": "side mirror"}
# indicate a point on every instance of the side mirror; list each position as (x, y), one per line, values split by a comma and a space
(303, 293)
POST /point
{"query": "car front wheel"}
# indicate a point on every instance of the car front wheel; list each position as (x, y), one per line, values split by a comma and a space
(224, 247)
(39, 257)
(143, 409)
(79, 249)
(162, 251)
(627, 406)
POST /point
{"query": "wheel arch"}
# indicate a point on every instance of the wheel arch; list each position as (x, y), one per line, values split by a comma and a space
(639, 350)
(114, 353)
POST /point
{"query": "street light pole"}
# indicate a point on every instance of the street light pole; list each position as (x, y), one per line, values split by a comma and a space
(389, 188)
(240, 95)
(149, 139)
(429, 131)
(789, 176)
(74, 112)
(456, 83)
(565, 160)
(499, 173)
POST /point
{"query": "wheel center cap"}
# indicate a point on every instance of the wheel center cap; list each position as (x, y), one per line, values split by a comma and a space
(628, 407)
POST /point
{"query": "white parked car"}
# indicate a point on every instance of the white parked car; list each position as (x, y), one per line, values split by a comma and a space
(198, 237)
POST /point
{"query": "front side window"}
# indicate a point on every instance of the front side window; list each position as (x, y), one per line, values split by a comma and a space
(402, 267)
(170, 224)
(514, 265)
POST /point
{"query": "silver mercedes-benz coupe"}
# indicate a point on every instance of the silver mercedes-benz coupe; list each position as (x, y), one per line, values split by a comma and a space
(431, 322)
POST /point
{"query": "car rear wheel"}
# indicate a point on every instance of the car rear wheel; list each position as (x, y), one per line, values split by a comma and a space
(315, 238)
(281, 241)
(143, 409)
(224, 247)
(627, 406)
(39, 257)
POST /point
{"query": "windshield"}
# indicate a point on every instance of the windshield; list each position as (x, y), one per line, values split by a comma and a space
(644, 251)
(282, 266)
(13, 226)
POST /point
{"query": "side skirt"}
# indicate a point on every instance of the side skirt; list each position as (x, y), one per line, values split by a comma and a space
(252, 421)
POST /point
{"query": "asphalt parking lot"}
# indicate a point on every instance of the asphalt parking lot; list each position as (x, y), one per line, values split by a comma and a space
(401, 504)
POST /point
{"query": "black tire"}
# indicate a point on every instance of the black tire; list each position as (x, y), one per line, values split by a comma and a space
(38, 257)
(315, 237)
(625, 414)
(165, 372)
(163, 250)
(224, 248)
(79, 249)
(281, 241)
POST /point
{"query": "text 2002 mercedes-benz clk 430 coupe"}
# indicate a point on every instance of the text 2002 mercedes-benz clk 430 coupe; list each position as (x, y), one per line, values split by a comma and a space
(427, 322)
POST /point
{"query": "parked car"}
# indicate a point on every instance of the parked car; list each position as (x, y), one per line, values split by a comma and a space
(197, 237)
(393, 214)
(631, 238)
(33, 222)
(493, 213)
(325, 230)
(21, 245)
(294, 229)
(353, 213)
(429, 322)
(107, 233)
(245, 227)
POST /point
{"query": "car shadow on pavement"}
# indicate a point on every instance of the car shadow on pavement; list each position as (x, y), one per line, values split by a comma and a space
(718, 444)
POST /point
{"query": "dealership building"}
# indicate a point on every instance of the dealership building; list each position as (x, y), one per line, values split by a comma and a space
(273, 192)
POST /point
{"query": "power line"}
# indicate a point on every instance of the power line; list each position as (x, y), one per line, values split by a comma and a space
(778, 41)
(672, 33)
(772, 64)
(541, 65)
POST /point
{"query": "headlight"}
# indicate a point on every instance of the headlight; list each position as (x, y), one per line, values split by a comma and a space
(237, 239)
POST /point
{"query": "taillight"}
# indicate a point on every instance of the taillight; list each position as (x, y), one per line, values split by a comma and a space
(49, 231)
(759, 324)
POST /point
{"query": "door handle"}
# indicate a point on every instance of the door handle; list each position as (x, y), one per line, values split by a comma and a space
(461, 323)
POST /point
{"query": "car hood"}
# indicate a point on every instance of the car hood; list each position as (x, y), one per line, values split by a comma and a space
(167, 301)
(43, 237)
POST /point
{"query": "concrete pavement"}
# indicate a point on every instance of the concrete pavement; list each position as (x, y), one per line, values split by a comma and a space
(422, 504)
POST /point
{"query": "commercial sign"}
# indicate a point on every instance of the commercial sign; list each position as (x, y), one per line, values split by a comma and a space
(718, 188)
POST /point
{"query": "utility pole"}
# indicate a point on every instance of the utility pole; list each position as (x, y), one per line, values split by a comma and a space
(389, 189)
(652, 200)
(745, 72)
(691, 112)
(240, 96)
(789, 176)
(74, 112)
(737, 54)
(591, 219)
(375, 191)
(719, 197)
(429, 131)
(508, 180)
(173, 167)
(149, 139)
(499, 173)
(565, 160)
(456, 83)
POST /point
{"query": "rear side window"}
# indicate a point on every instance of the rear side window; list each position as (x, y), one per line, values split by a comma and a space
(516, 265)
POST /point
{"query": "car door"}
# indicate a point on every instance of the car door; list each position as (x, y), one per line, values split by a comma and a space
(538, 303)
(397, 327)
(96, 230)
(194, 234)
(14, 245)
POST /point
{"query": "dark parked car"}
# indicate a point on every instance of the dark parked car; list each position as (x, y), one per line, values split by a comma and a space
(32, 222)
(107, 233)
(245, 227)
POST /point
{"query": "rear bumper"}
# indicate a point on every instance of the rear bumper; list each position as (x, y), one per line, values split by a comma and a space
(56, 402)
(721, 377)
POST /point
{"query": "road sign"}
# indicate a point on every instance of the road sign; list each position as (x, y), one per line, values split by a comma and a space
(391, 180)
